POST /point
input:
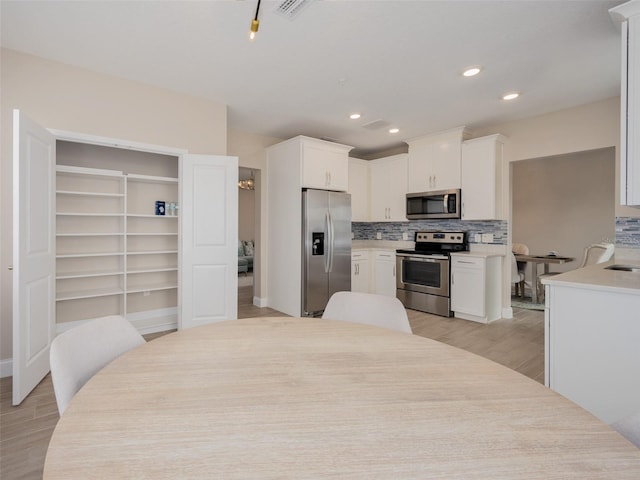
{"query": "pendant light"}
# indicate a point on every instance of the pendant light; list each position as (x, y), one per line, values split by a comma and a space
(255, 24)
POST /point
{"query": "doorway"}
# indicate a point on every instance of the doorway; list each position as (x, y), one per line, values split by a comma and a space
(248, 205)
(563, 203)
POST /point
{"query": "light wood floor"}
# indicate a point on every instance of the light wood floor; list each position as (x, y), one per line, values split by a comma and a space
(518, 344)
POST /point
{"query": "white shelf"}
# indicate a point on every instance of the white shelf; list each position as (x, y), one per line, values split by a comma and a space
(152, 288)
(81, 214)
(152, 252)
(89, 234)
(105, 292)
(161, 234)
(89, 194)
(103, 273)
(152, 270)
(149, 178)
(83, 255)
(95, 172)
(142, 215)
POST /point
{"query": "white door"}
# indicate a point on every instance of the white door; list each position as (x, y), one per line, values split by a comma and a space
(209, 239)
(34, 159)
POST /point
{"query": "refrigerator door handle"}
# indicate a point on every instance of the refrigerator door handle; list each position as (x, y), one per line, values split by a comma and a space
(327, 246)
(331, 241)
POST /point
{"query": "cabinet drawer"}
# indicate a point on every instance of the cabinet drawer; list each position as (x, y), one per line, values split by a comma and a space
(382, 255)
(467, 262)
(356, 255)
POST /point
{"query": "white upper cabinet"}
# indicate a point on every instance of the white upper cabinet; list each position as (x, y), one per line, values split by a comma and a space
(325, 165)
(629, 14)
(389, 188)
(481, 175)
(434, 161)
(359, 189)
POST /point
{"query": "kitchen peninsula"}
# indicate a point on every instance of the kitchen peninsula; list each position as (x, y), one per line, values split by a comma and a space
(592, 333)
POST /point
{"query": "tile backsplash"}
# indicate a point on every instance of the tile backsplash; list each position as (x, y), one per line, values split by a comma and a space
(394, 230)
(627, 230)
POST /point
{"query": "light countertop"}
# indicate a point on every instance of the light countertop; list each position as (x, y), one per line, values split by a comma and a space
(597, 277)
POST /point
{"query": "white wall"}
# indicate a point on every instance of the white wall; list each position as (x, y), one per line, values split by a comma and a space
(246, 214)
(63, 97)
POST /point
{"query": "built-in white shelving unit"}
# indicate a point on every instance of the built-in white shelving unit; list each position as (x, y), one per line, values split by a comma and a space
(114, 255)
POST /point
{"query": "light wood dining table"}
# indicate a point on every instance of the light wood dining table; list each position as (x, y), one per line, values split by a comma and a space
(536, 260)
(293, 398)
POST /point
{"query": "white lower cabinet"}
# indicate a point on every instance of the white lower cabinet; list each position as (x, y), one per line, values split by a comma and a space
(385, 272)
(592, 357)
(475, 286)
(360, 271)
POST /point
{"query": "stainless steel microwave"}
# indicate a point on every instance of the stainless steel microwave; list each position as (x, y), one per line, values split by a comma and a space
(436, 204)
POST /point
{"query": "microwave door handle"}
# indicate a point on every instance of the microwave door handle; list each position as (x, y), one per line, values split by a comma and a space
(445, 203)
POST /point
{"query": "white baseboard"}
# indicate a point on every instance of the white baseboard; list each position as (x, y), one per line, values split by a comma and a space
(260, 302)
(507, 312)
(6, 368)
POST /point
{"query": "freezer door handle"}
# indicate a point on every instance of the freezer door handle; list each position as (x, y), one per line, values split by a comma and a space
(330, 232)
(327, 251)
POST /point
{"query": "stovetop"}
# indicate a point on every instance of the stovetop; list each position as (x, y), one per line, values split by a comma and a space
(438, 243)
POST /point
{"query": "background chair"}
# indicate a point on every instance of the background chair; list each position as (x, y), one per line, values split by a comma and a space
(368, 308)
(598, 253)
(517, 276)
(521, 249)
(78, 354)
(629, 428)
(593, 254)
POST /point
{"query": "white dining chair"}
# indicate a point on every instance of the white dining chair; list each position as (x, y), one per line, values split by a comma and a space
(368, 308)
(79, 353)
(517, 276)
(629, 428)
(593, 254)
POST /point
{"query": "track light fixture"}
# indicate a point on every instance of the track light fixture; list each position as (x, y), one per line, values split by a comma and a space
(255, 24)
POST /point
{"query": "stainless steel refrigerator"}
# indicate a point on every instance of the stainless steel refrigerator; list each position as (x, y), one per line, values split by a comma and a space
(326, 248)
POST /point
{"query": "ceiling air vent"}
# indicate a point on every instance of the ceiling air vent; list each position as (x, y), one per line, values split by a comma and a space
(376, 125)
(291, 8)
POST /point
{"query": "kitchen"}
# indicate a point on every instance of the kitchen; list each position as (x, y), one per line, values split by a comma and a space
(588, 126)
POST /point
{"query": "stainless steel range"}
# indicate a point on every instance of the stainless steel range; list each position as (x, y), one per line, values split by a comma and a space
(423, 275)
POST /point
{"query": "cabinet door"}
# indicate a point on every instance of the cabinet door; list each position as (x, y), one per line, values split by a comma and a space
(446, 164)
(34, 159)
(338, 171)
(324, 169)
(434, 161)
(360, 272)
(420, 175)
(314, 167)
(209, 239)
(385, 274)
(468, 291)
(359, 189)
(481, 178)
(389, 189)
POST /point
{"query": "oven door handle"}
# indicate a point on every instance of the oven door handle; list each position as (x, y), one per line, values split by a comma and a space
(426, 258)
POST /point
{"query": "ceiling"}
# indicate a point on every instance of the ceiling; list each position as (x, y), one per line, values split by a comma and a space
(395, 61)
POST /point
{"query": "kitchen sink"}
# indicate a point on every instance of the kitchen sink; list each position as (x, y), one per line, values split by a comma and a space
(623, 268)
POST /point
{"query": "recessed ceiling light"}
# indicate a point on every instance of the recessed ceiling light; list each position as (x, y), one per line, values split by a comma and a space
(510, 96)
(354, 116)
(394, 130)
(471, 71)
